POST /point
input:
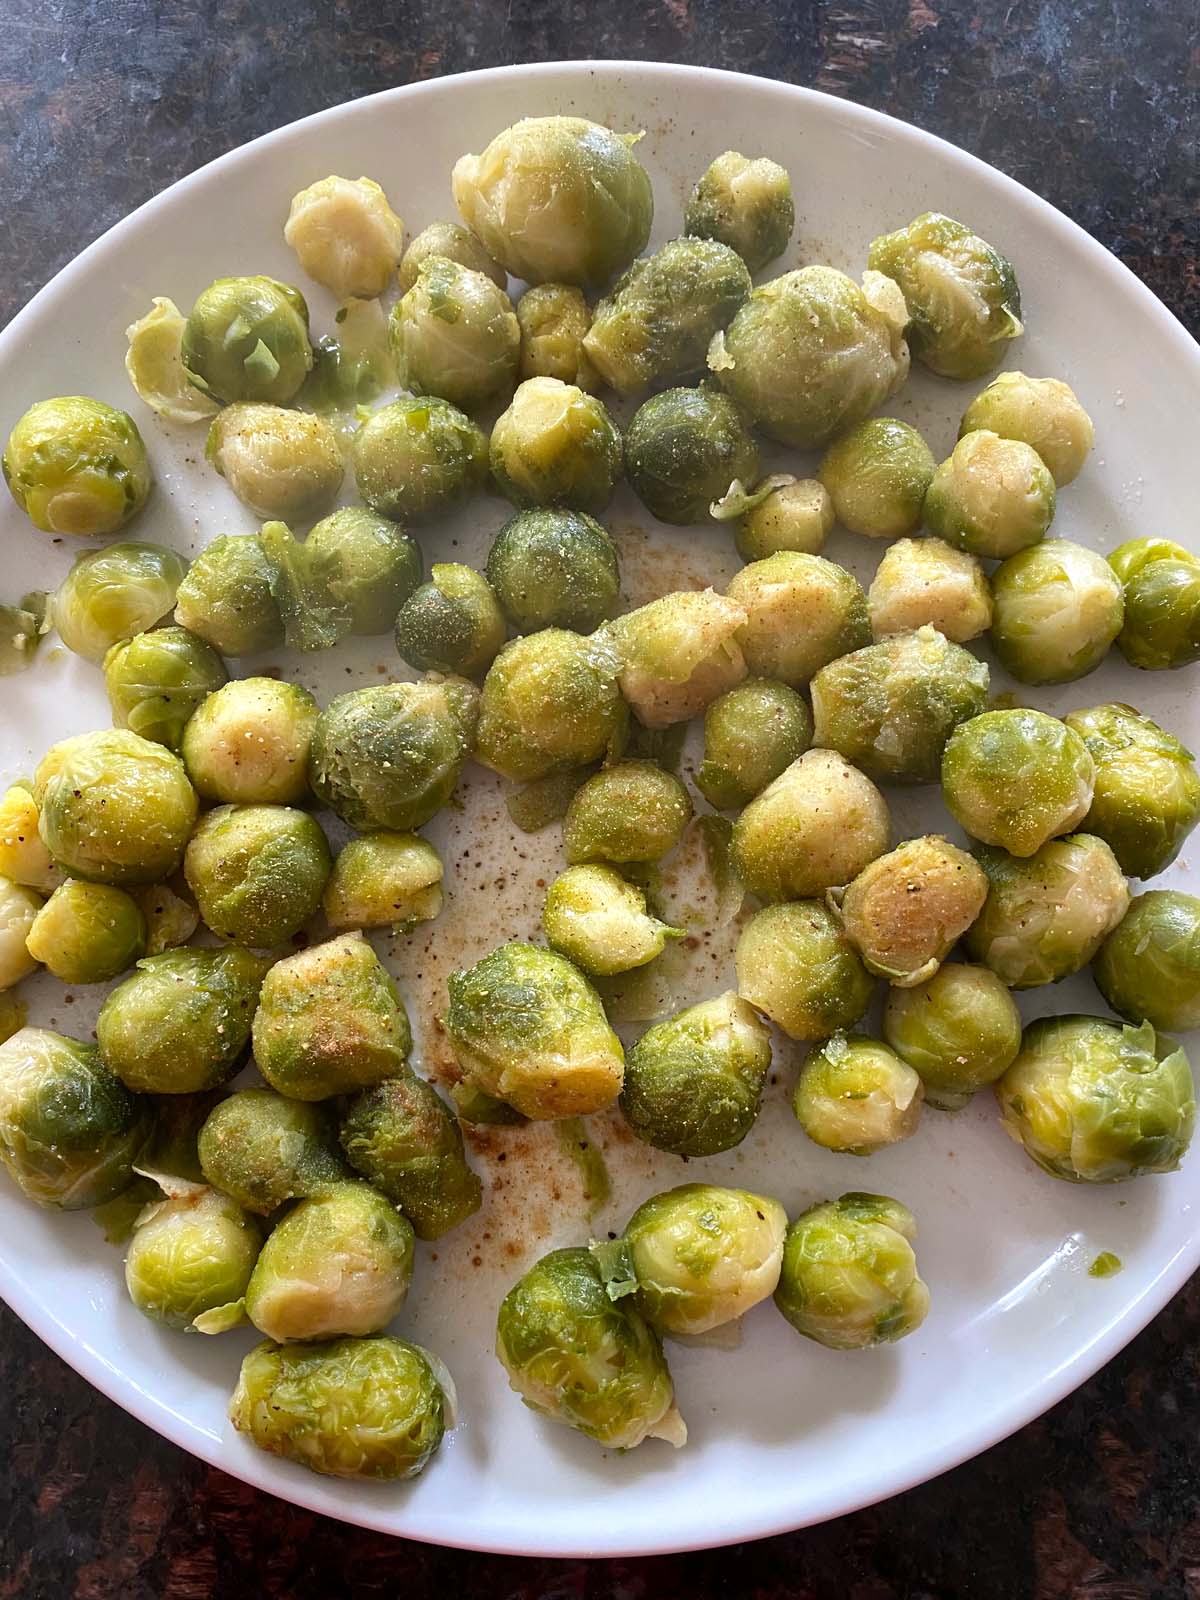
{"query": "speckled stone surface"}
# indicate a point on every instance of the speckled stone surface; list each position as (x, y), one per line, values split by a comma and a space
(1093, 103)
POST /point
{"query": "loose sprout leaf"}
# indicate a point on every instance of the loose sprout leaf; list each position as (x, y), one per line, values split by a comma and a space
(738, 499)
(173, 1186)
(155, 366)
(117, 1218)
(574, 1142)
(22, 629)
(728, 891)
(221, 1318)
(615, 1261)
(536, 805)
(448, 1386)
(664, 746)
(728, 1336)
(1106, 1265)
(355, 367)
(646, 994)
(474, 1104)
(311, 619)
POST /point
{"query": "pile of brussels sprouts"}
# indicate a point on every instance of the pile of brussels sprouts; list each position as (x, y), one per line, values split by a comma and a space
(293, 1204)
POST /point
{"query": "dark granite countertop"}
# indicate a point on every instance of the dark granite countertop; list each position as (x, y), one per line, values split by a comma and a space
(1093, 103)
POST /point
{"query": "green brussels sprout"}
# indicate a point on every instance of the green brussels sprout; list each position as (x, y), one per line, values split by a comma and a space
(796, 965)
(346, 236)
(154, 364)
(992, 496)
(19, 910)
(1017, 778)
(70, 1131)
(1046, 917)
(190, 1259)
(451, 240)
(330, 1020)
(1148, 969)
(114, 807)
(751, 734)
(171, 919)
(227, 597)
(455, 334)
(390, 756)
(876, 476)
(600, 922)
(1058, 607)
(528, 1028)
(694, 1082)
(678, 654)
(856, 1096)
(77, 466)
(891, 707)
(348, 1408)
(417, 457)
(87, 932)
(248, 743)
(247, 339)
(181, 1023)
(278, 462)
(631, 812)
(557, 200)
(746, 204)
(111, 594)
(810, 353)
(1161, 586)
(338, 1263)
(683, 449)
(405, 1141)
(905, 911)
(263, 1149)
(453, 623)
(1095, 1102)
(367, 565)
(554, 569)
(783, 513)
(575, 1355)
(924, 582)
(817, 825)
(1041, 412)
(24, 858)
(554, 319)
(962, 294)
(849, 1277)
(387, 880)
(156, 680)
(555, 446)
(257, 872)
(801, 612)
(550, 702)
(959, 1030)
(14, 1014)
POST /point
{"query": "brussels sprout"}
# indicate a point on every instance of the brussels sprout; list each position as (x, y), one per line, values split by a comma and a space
(1041, 412)
(278, 462)
(905, 911)
(959, 1030)
(14, 1014)
(576, 1356)
(154, 363)
(678, 654)
(454, 334)
(257, 872)
(746, 204)
(248, 743)
(111, 594)
(1017, 778)
(415, 458)
(247, 339)
(817, 825)
(550, 702)
(801, 612)
(19, 911)
(226, 598)
(171, 919)
(346, 236)
(683, 449)
(77, 466)
(1148, 968)
(555, 446)
(24, 859)
(796, 965)
(783, 513)
(992, 496)
(557, 200)
(69, 1131)
(1058, 607)
(453, 623)
(528, 1028)
(751, 734)
(923, 582)
(368, 566)
(181, 1022)
(891, 707)
(632, 812)
(554, 318)
(22, 629)
(600, 922)
(554, 569)
(1161, 587)
(87, 932)
(190, 1260)
(1045, 917)
(854, 1095)
(156, 680)
(1095, 1102)
(114, 807)
(456, 244)
(263, 1150)
(404, 1139)
(387, 880)
(810, 353)
(849, 1276)
(330, 1020)
(348, 1408)
(311, 615)
(389, 756)
(876, 476)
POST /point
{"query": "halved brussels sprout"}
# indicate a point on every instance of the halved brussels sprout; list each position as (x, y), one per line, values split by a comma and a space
(415, 458)
(1148, 968)
(631, 812)
(227, 599)
(783, 513)
(854, 1095)
(19, 911)
(959, 1031)
(554, 569)
(278, 462)
(1017, 778)
(555, 446)
(876, 476)
(257, 872)
(247, 339)
(600, 922)
(1058, 608)
(156, 680)
(801, 612)
(77, 466)
(923, 582)
(1161, 586)
(111, 594)
(554, 318)
(796, 965)
(453, 623)
(23, 857)
(746, 204)
(451, 240)
(905, 911)
(683, 449)
(387, 880)
(248, 743)
(454, 334)
(87, 932)
(190, 1259)
(550, 702)
(992, 496)
(263, 1150)
(1041, 412)
(154, 362)
(751, 734)
(678, 653)
(368, 566)
(346, 236)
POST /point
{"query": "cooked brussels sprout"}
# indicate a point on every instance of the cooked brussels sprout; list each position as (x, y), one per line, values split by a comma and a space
(368, 566)
(810, 353)
(796, 965)
(190, 1260)
(817, 825)
(1058, 607)
(550, 702)
(257, 872)
(454, 242)
(171, 919)
(1095, 1102)
(114, 807)
(387, 880)
(346, 236)
(992, 496)
(154, 363)
(631, 812)
(683, 449)
(849, 1277)
(247, 339)
(923, 582)
(783, 513)
(1045, 917)
(278, 462)
(554, 318)
(958, 1030)
(263, 1149)
(678, 653)
(77, 466)
(751, 733)
(69, 1131)
(801, 612)
(600, 922)
(575, 1355)
(405, 1141)
(905, 911)
(555, 446)
(415, 458)
(746, 204)
(554, 569)
(854, 1095)
(156, 680)
(1041, 412)
(528, 1028)
(891, 707)
(111, 594)
(1161, 586)
(23, 857)
(1017, 778)
(227, 599)
(876, 476)
(1148, 968)
(87, 932)
(248, 743)
(452, 623)
(19, 911)
(454, 334)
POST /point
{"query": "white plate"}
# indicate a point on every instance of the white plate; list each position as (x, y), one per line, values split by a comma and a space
(783, 1432)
